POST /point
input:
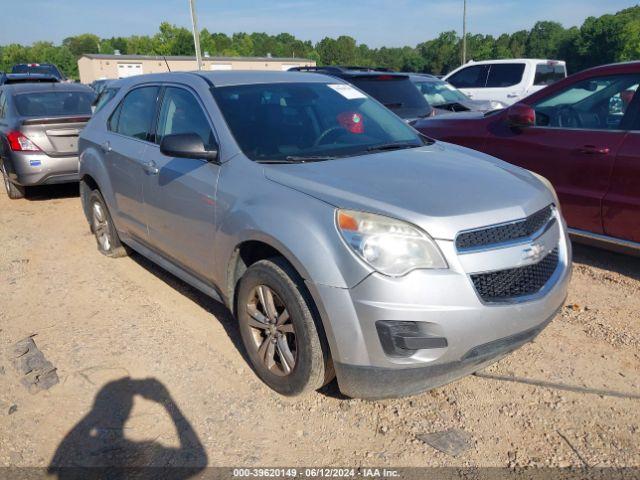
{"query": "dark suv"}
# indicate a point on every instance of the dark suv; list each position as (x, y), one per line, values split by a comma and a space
(394, 90)
(39, 68)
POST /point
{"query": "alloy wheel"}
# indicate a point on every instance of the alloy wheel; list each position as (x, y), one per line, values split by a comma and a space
(101, 226)
(273, 333)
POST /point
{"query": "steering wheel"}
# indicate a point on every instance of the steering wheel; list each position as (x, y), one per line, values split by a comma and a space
(568, 118)
(326, 133)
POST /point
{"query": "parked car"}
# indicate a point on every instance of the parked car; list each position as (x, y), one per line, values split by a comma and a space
(39, 128)
(98, 85)
(506, 81)
(107, 93)
(445, 98)
(340, 238)
(394, 90)
(11, 78)
(583, 134)
(39, 69)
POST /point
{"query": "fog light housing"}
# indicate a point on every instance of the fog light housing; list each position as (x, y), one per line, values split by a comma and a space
(403, 339)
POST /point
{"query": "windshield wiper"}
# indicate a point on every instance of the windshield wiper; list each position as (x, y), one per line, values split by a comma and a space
(296, 159)
(392, 146)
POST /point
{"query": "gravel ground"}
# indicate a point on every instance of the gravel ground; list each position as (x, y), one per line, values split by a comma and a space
(151, 371)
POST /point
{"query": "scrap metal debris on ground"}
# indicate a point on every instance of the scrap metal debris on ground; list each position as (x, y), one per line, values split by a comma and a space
(37, 372)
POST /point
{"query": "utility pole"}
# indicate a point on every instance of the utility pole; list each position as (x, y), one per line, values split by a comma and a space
(196, 33)
(464, 33)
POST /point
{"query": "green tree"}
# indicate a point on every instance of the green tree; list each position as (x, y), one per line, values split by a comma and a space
(84, 43)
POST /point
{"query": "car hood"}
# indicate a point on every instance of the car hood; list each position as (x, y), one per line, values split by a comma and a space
(442, 188)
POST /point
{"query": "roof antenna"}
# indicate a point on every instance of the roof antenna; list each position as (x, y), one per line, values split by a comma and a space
(166, 63)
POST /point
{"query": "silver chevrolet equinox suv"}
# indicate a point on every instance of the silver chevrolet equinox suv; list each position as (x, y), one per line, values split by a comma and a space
(344, 242)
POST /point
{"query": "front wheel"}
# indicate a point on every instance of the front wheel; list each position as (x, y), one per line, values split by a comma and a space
(287, 349)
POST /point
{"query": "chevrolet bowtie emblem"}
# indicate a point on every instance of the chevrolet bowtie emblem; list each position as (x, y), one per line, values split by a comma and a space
(534, 253)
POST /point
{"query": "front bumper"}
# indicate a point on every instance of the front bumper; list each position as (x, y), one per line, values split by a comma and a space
(446, 305)
(30, 169)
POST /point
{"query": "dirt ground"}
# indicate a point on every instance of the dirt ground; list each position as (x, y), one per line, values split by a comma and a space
(153, 371)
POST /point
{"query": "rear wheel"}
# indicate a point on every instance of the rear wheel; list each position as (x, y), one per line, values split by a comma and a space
(13, 191)
(102, 227)
(286, 347)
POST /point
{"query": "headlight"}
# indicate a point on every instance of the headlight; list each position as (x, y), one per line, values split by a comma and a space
(548, 184)
(390, 246)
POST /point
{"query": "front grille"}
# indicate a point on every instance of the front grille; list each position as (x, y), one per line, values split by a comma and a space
(504, 233)
(505, 285)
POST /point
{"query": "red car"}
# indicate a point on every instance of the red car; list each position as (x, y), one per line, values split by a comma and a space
(583, 134)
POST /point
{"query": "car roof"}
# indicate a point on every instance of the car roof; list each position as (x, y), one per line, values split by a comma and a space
(349, 71)
(424, 77)
(227, 78)
(514, 60)
(18, 88)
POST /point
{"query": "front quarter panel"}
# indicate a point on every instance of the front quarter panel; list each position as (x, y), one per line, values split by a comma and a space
(302, 228)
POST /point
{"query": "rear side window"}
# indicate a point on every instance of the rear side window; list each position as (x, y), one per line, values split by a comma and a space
(505, 75)
(474, 76)
(181, 113)
(54, 104)
(135, 114)
(3, 105)
(546, 74)
(398, 94)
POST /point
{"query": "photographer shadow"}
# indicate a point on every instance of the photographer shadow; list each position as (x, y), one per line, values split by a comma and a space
(97, 447)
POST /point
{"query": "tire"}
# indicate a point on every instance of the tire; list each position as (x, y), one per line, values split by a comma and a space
(107, 238)
(296, 335)
(13, 191)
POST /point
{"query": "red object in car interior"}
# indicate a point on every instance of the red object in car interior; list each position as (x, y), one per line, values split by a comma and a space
(351, 121)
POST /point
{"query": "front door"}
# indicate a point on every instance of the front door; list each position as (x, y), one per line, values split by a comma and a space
(180, 193)
(574, 144)
(621, 206)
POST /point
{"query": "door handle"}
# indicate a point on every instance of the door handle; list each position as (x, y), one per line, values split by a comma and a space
(595, 150)
(150, 167)
(512, 95)
(106, 146)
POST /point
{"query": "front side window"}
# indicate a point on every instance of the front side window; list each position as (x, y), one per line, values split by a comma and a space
(597, 104)
(54, 104)
(474, 76)
(549, 73)
(294, 121)
(505, 75)
(135, 114)
(181, 113)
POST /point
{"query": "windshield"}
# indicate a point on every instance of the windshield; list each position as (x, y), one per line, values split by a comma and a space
(437, 93)
(397, 93)
(54, 104)
(288, 121)
(42, 69)
(103, 98)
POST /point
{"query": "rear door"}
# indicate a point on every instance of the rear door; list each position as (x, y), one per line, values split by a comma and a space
(621, 206)
(574, 143)
(124, 148)
(180, 193)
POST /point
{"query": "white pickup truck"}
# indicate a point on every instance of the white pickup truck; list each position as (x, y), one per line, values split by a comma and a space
(506, 81)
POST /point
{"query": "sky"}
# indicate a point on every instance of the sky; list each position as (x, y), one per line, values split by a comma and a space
(374, 22)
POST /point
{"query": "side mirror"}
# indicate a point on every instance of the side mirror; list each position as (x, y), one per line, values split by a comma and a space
(187, 145)
(521, 115)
